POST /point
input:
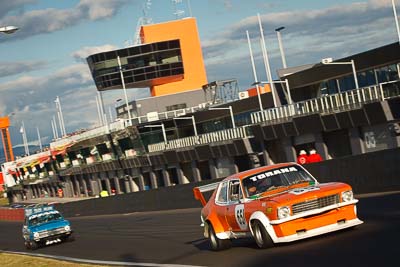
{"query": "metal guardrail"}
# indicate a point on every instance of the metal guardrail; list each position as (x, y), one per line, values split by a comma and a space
(219, 136)
(330, 103)
(112, 127)
(324, 105)
(170, 114)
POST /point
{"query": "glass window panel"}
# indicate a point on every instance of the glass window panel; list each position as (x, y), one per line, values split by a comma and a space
(347, 83)
(110, 55)
(223, 193)
(392, 73)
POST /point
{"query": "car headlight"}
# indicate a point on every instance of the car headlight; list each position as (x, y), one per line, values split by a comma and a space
(36, 235)
(347, 196)
(283, 212)
(67, 228)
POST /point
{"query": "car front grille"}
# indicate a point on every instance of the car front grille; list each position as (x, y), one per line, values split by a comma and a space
(315, 204)
(56, 231)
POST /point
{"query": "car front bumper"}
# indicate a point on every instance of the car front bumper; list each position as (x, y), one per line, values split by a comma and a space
(319, 231)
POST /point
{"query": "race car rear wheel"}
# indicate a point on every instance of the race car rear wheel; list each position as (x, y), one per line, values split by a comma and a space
(216, 243)
(261, 235)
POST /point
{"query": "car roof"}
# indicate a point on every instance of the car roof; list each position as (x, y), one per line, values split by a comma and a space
(44, 211)
(245, 174)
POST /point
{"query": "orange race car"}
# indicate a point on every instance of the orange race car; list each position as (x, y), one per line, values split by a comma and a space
(274, 204)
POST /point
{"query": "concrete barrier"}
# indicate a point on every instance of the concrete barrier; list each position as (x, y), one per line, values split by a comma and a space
(10, 214)
(372, 172)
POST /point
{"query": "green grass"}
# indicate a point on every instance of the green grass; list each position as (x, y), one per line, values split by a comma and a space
(11, 260)
(3, 201)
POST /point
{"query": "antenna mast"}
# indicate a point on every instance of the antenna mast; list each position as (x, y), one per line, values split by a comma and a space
(144, 20)
(178, 11)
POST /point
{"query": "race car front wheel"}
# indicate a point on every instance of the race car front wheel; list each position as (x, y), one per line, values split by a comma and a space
(261, 235)
(31, 245)
(216, 243)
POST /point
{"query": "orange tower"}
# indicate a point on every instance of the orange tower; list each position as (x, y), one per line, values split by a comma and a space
(185, 30)
(5, 137)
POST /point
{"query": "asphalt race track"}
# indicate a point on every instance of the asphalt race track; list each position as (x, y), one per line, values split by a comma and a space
(175, 237)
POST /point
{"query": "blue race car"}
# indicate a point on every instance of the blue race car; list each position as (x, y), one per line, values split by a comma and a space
(45, 226)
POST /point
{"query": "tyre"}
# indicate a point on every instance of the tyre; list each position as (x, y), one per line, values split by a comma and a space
(33, 245)
(216, 243)
(261, 235)
(70, 238)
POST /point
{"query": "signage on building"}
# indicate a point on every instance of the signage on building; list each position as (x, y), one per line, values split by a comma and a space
(152, 116)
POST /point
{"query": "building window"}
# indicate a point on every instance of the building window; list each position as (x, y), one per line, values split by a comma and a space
(176, 107)
(366, 78)
(347, 83)
(328, 87)
(387, 73)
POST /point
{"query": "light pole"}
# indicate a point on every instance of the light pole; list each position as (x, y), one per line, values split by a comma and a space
(125, 94)
(329, 61)
(230, 112)
(162, 128)
(60, 116)
(397, 20)
(99, 110)
(266, 61)
(286, 82)
(39, 139)
(254, 71)
(8, 29)
(193, 122)
(24, 139)
(278, 33)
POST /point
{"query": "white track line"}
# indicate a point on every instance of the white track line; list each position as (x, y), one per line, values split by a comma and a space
(119, 263)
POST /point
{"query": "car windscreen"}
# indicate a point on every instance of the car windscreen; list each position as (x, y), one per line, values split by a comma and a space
(275, 178)
(44, 217)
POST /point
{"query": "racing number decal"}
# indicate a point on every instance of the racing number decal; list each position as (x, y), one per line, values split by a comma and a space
(239, 215)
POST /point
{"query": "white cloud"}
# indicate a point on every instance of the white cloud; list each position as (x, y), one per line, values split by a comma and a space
(14, 5)
(99, 9)
(310, 35)
(31, 99)
(83, 53)
(14, 68)
(49, 20)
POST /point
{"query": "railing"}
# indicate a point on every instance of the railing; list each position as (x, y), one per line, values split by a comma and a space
(121, 124)
(219, 136)
(170, 114)
(330, 103)
(112, 127)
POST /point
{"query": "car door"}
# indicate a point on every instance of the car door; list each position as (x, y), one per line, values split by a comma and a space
(235, 209)
(221, 202)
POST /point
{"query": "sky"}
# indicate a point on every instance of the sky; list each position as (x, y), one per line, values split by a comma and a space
(46, 58)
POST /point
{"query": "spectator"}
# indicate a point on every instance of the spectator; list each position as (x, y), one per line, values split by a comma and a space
(103, 193)
(303, 157)
(314, 156)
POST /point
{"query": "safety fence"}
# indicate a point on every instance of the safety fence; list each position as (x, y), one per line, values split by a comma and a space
(327, 104)
(219, 136)
(109, 128)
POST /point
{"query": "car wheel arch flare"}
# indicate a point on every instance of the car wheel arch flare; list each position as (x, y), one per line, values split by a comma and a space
(261, 217)
(218, 228)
